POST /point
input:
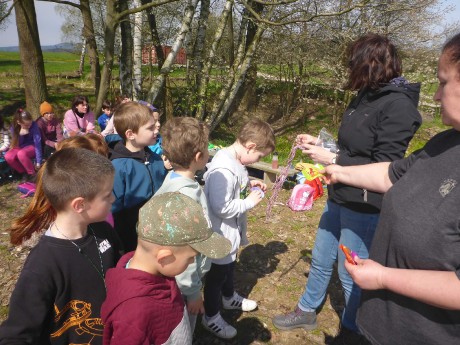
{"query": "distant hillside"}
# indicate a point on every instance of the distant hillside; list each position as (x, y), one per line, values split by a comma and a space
(61, 47)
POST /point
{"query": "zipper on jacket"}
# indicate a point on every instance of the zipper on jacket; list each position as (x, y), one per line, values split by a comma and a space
(146, 164)
(365, 195)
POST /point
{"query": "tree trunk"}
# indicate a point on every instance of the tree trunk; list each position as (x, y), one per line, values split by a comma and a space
(126, 58)
(198, 47)
(165, 69)
(137, 53)
(169, 105)
(247, 95)
(201, 99)
(238, 74)
(155, 35)
(158, 51)
(82, 57)
(33, 69)
(109, 40)
(91, 46)
(231, 39)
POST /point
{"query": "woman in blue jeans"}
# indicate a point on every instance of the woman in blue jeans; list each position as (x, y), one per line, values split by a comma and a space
(376, 127)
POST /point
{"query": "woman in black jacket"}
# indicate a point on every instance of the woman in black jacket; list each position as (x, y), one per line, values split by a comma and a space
(376, 127)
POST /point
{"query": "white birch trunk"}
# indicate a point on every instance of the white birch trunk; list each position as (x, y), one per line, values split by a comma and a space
(82, 56)
(137, 53)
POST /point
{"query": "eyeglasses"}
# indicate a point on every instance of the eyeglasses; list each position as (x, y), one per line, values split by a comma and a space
(83, 105)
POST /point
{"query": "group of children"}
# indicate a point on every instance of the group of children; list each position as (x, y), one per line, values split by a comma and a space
(172, 232)
(30, 141)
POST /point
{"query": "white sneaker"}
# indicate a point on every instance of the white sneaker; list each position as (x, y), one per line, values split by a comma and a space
(218, 326)
(239, 302)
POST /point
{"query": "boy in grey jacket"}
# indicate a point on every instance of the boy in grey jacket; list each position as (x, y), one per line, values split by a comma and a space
(231, 194)
(185, 144)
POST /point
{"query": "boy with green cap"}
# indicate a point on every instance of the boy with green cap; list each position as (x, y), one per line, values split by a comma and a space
(144, 303)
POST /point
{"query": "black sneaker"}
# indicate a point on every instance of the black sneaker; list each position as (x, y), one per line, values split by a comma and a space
(296, 319)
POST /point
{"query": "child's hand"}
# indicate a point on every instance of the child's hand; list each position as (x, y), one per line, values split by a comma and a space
(367, 273)
(258, 183)
(255, 196)
(195, 306)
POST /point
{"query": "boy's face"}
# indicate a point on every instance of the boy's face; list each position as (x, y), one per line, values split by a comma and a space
(107, 111)
(156, 117)
(147, 134)
(100, 206)
(183, 256)
(253, 155)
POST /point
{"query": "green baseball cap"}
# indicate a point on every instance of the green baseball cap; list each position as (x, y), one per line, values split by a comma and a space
(174, 219)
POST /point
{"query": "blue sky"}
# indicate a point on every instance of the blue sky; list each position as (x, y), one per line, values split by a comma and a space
(49, 24)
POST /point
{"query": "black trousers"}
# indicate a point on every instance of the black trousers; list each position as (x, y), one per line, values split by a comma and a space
(219, 282)
(47, 151)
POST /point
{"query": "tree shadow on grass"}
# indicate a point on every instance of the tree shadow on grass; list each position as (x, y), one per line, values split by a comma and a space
(256, 261)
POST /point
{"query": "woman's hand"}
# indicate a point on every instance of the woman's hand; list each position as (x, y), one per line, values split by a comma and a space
(331, 173)
(367, 273)
(318, 154)
(303, 139)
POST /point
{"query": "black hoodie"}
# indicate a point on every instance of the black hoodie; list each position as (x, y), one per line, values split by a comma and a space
(376, 127)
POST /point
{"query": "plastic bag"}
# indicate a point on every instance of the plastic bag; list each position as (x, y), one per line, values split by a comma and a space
(326, 140)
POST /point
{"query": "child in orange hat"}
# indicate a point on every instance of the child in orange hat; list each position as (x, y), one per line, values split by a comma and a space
(50, 129)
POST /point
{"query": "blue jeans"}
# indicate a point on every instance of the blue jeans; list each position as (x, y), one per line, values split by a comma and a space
(338, 225)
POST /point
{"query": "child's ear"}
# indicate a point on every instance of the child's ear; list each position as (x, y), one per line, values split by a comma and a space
(250, 146)
(78, 204)
(165, 256)
(198, 155)
(129, 134)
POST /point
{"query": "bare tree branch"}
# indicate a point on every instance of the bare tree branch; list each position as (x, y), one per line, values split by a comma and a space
(310, 17)
(62, 2)
(2, 18)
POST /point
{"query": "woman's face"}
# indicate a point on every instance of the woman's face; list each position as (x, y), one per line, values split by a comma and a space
(448, 92)
(82, 107)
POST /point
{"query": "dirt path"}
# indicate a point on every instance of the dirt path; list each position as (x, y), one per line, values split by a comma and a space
(271, 270)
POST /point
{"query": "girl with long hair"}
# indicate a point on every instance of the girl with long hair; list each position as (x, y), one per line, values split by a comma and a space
(26, 144)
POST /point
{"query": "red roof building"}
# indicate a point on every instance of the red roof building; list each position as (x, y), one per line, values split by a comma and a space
(149, 52)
